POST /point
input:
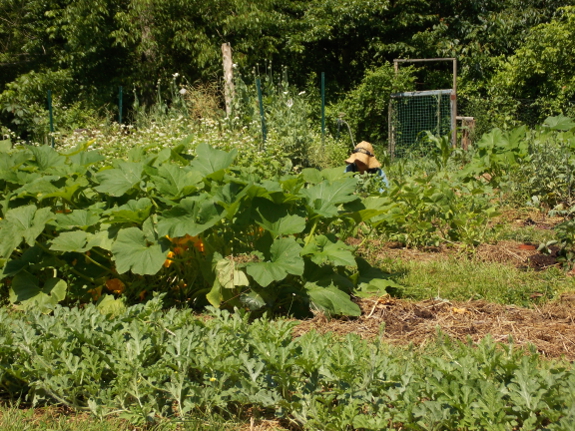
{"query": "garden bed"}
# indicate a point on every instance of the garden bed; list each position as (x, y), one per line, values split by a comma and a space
(550, 328)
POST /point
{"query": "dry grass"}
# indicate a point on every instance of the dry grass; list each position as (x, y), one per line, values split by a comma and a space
(550, 328)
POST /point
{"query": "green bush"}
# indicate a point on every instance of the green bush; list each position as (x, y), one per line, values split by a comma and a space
(545, 178)
(365, 107)
(23, 103)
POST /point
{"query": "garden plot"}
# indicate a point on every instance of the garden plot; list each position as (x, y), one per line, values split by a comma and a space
(550, 328)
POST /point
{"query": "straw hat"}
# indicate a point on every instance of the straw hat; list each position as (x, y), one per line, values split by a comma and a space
(363, 152)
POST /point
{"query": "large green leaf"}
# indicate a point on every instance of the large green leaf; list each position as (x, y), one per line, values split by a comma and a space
(116, 182)
(314, 176)
(111, 306)
(86, 158)
(227, 274)
(22, 223)
(177, 182)
(212, 162)
(230, 196)
(227, 277)
(71, 241)
(69, 190)
(77, 219)
(135, 211)
(46, 157)
(559, 123)
(323, 250)
(104, 238)
(191, 216)
(133, 252)
(37, 188)
(284, 259)
(331, 300)
(5, 146)
(276, 220)
(26, 290)
(376, 287)
(324, 198)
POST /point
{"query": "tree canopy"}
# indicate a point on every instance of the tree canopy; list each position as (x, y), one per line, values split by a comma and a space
(84, 50)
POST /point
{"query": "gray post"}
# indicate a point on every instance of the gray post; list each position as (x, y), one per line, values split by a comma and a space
(454, 106)
(228, 76)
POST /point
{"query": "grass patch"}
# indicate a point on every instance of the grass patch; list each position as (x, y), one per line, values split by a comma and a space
(18, 418)
(526, 234)
(14, 418)
(462, 279)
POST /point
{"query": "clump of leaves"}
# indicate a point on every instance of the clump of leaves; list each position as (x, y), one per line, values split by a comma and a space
(203, 230)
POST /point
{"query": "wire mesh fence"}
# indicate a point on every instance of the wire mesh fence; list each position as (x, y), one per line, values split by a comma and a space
(412, 114)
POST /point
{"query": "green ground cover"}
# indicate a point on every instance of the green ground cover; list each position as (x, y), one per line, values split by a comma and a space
(146, 364)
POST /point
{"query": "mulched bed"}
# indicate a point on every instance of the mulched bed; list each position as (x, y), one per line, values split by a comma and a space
(521, 255)
(550, 328)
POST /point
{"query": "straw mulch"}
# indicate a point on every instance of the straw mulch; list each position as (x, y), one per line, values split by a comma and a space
(550, 328)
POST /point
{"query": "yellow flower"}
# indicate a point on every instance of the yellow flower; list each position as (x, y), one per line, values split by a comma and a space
(183, 241)
(212, 379)
(169, 261)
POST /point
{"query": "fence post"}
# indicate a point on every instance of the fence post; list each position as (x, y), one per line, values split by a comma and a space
(228, 76)
(322, 107)
(454, 106)
(51, 116)
(260, 99)
(120, 100)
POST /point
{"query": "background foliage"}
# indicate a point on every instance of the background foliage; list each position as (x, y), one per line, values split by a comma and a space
(83, 51)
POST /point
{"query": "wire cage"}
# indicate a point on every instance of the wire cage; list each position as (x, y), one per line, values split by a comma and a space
(412, 114)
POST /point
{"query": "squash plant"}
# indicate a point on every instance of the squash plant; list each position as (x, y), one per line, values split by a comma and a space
(76, 227)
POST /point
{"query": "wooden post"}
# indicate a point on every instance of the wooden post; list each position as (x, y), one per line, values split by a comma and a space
(467, 127)
(228, 76)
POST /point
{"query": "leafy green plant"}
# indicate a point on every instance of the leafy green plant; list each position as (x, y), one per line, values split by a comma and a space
(147, 365)
(427, 210)
(202, 230)
(544, 178)
(496, 154)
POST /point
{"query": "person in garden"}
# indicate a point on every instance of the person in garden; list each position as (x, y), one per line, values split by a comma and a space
(363, 160)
